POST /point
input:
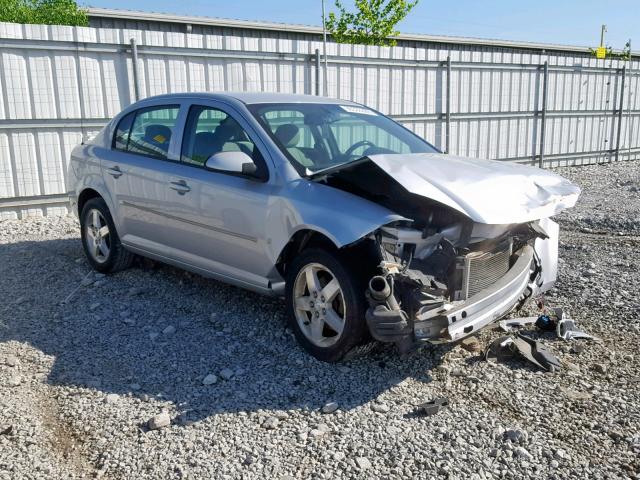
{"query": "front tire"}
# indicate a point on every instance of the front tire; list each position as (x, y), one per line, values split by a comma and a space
(325, 304)
(100, 239)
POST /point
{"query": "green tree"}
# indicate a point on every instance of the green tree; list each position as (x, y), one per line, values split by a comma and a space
(373, 23)
(49, 12)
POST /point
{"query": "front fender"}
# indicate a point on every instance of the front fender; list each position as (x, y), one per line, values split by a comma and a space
(340, 216)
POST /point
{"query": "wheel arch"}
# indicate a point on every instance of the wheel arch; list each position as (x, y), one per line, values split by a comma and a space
(362, 250)
(301, 239)
(86, 195)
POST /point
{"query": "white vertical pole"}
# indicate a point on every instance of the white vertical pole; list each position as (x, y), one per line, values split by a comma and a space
(324, 47)
(629, 102)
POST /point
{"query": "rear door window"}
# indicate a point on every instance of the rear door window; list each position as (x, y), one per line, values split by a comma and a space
(150, 131)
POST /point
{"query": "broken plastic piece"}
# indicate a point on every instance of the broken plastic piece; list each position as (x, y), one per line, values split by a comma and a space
(505, 348)
(545, 323)
(536, 353)
(433, 406)
(500, 350)
(515, 323)
(567, 328)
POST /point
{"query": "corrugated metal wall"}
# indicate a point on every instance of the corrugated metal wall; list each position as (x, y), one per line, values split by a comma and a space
(59, 84)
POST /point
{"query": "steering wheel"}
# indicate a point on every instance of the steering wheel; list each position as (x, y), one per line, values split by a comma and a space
(355, 146)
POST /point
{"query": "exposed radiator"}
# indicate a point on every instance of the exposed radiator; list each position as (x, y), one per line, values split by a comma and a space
(482, 269)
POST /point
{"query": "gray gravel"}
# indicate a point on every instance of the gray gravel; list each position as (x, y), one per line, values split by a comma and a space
(83, 383)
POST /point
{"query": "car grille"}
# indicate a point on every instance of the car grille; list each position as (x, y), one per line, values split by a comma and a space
(482, 269)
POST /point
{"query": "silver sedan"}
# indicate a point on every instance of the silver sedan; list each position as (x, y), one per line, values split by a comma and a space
(365, 228)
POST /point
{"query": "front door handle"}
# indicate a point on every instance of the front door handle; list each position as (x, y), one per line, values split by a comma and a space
(115, 171)
(180, 186)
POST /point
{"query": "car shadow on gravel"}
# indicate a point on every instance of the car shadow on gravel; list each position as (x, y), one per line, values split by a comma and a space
(156, 332)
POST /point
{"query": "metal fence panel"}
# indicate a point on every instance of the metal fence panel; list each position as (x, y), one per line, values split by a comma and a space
(61, 84)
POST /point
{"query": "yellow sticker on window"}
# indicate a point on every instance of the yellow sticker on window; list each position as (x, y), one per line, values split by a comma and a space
(160, 138)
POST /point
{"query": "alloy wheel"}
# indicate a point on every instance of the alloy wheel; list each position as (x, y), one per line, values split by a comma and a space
(97, 236)
(319, 305)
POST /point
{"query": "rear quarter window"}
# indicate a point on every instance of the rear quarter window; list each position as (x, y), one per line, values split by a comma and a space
(121, 135)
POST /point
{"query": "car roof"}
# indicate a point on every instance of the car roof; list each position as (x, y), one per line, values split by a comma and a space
(250, 98)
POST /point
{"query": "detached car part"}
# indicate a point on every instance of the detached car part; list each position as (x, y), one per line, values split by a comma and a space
(506, 348)
(516, 323)
(567, 329)
(433, 406)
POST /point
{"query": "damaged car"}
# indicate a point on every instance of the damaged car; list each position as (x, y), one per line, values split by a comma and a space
(362, 226)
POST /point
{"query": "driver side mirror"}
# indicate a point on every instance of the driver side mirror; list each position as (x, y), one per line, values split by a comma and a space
(232, 162)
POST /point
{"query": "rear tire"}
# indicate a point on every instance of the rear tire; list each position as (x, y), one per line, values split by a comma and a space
(325, 304)
(100, 240)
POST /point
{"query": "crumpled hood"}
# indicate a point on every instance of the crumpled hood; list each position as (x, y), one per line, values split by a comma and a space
(487, 191)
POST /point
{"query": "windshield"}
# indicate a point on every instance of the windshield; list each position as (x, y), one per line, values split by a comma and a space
(319, 136)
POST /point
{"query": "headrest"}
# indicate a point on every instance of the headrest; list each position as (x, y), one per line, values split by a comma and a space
(204, 143)
(229, 130)
(160, 134)
(288, 134)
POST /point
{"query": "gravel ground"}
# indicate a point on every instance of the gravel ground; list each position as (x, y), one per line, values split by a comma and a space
(86, 360)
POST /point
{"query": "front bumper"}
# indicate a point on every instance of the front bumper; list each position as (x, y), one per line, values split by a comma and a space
(454, 321)
(483, 308)
(533, 271)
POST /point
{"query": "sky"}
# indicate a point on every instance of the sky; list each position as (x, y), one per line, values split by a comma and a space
(567, 22)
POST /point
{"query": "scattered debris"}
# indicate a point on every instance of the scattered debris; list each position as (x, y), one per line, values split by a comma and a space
(209, 379)
(226, 373)
(6, 430)
(134, 291)
(546, 323)
(380, 408)
(575, 395)
(577, 348)
(363, 463)
(161, 420)
(11, 361)
(521, 452)
(111, 398)
(506, 348)
(170, 330)
(78, 287)
(433, 406)
(600, 368)
(515, 435)
(271, 423)
(471, 344)
(511, 324)
(537, 354)
(500, 350)
(329, 407)
(320, 430)
(567, 328)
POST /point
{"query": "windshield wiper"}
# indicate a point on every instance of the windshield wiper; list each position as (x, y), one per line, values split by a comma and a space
(337, 168)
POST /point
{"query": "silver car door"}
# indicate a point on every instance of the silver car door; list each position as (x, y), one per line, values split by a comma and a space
(136, 171)
(217, 220)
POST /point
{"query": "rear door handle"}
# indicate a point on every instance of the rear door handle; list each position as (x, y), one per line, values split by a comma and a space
(115, 171)
(180, 186)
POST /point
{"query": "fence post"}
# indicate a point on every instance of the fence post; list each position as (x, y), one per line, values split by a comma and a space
(543, 117)
(317, 62)
(620, 107)
(447, 128)
(134, 58)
